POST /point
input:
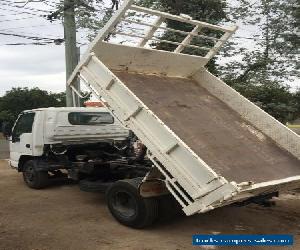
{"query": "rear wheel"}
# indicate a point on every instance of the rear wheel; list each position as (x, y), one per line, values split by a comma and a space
(33, 178)
(128, 207)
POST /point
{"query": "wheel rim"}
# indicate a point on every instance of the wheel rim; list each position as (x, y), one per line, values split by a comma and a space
(124, 204)
(30, 174)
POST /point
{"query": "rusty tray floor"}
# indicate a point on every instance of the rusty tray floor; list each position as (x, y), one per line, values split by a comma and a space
(215, 132)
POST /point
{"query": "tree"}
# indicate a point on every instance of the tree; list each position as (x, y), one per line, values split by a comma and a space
(212, 11)
(276, 52)
(263, 72)
(90, 16)
(19, 99)
(274, 98)
(297, 101)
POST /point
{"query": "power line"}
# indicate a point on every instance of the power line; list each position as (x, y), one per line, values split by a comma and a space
(18, 12)
(29, 26)
(16, 19)
(248, 38)
(33, 43)
(8, 15)
(45, 2)
(14, 4)
(13, 14)
(37, 1)
(252, 38)
(32, 37)
(26, 37)
(30, 34)
(20, 7)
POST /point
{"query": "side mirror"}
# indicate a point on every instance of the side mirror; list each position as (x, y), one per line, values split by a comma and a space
(13, 139)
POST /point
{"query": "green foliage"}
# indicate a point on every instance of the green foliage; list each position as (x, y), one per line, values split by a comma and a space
(275, 55)
(262, 72)
(274, 98)
(94, 16)
(297, 100)
(212, 11)
(90, 16)
(20, 99)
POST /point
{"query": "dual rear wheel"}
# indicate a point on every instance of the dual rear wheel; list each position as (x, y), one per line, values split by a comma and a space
(128, 207)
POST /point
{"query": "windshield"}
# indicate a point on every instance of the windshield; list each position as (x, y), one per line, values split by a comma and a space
(90, 118)
(23, 124)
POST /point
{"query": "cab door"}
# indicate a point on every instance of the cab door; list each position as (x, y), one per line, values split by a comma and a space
(21, 138)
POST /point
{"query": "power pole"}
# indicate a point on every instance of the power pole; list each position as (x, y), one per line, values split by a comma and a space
(71, 52)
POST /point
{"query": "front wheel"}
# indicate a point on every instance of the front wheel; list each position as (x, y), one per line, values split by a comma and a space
(33, 178)
(128, 207)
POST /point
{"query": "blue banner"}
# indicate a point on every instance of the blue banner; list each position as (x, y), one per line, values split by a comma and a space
(243, 240)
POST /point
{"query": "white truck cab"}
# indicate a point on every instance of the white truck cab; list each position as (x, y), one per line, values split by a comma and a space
(52, 126)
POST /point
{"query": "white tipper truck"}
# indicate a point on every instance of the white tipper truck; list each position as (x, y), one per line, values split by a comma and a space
(203, 143)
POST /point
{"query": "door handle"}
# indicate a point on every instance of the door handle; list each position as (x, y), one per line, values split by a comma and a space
(27, 145)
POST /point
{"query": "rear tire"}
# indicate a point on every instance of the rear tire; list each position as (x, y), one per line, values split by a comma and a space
(33, 178)
(128, 207)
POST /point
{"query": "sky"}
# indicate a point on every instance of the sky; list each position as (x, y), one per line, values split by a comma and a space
(30, 65)
(38, 66)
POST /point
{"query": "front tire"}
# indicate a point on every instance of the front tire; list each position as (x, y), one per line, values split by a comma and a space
(128, 207)
(33, 178)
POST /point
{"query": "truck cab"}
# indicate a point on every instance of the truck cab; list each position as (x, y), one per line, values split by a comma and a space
(36, 129)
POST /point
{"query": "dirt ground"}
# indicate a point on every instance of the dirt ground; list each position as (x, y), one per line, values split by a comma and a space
(63, 217)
